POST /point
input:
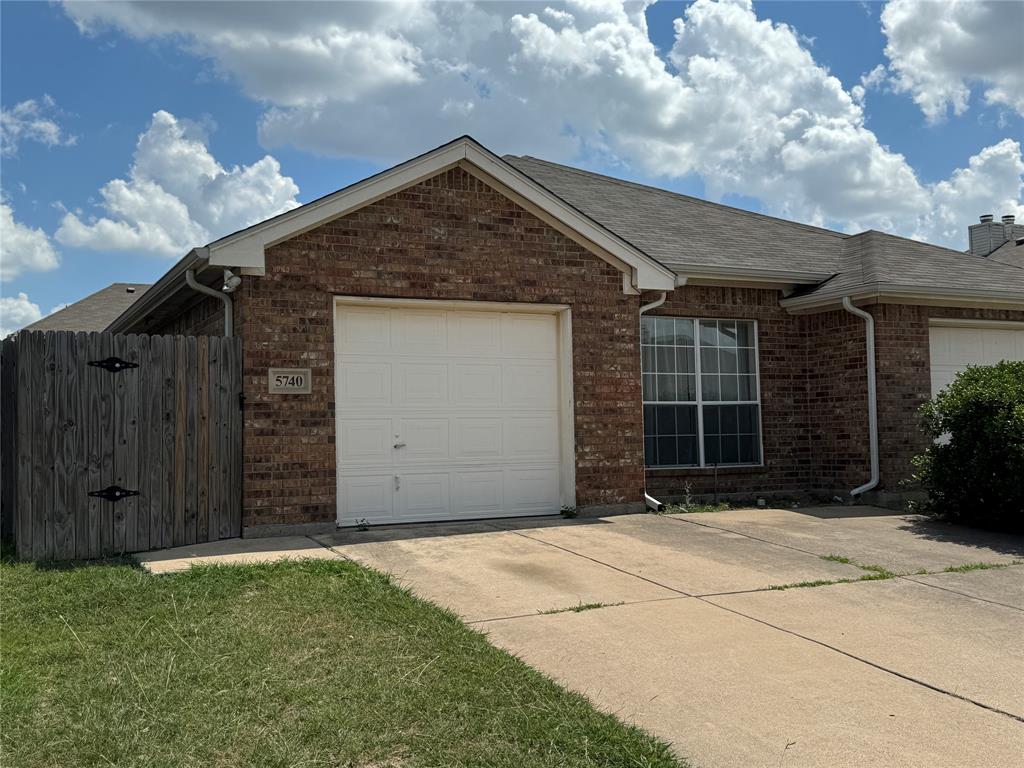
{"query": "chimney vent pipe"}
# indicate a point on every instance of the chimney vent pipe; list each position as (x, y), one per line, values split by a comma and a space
(1009, 219)
(986, 218)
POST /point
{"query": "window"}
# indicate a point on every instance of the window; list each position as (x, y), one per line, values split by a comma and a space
(700, 392)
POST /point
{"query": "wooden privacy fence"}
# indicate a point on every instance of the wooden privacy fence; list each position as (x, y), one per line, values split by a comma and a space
(119, 443)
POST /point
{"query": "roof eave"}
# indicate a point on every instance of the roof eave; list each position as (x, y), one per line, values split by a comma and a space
(171, 282)
(896, 293)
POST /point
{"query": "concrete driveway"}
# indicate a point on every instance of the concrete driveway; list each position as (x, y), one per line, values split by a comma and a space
(671, 622)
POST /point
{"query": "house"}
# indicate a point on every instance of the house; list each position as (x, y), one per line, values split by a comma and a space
(93, 313)
(469, 336)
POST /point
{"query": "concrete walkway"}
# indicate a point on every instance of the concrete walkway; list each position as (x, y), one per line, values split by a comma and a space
(671, 622)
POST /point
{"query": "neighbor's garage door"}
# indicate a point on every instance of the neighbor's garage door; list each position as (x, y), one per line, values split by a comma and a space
(445, 414)
(954, 348)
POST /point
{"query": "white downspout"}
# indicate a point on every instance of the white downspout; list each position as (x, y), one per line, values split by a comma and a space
(650, 501)
(229, 323)
(869, 339)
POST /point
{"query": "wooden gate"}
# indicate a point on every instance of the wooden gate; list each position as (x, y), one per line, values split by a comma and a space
(119, 443)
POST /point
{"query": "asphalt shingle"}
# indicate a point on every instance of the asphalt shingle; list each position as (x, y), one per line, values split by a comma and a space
(93, 313)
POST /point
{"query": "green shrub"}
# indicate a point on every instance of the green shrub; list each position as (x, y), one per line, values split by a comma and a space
(976, 477)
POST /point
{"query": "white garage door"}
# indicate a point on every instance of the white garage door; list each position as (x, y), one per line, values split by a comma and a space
(446, 414)
(954, 348)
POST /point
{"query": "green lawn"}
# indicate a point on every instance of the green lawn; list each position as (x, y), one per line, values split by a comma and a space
(312, 663)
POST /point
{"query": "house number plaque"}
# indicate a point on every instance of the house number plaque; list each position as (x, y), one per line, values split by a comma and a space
(289, 381)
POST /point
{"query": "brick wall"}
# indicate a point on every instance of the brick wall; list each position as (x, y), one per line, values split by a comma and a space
(451, 237)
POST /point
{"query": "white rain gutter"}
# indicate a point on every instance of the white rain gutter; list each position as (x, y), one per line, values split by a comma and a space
(225, 296)
(651, 502)
(869, 340)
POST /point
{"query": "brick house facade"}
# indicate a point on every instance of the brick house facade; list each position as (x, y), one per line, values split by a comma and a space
(454, 236)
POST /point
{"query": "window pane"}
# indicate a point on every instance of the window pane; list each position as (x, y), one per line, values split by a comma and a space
(649, 384)
(687, 387)
(727, 360)
(664, 330)
(745, 361)
(647, 330)
(748, 449)
(708, 333)
(667, 454)
(730, 449)
(730, 387)
(649, 420)
(684, 333)
(747, 419)
(745, 334)
(708, 360)
(711, 454)
(647, 356)
(666, 359)
(650, 451)
(747, 388)
(728, 419)
(667, 388)
(666, 420)
(684, 360)
(727, 333)
(709, 387)
(688, 454)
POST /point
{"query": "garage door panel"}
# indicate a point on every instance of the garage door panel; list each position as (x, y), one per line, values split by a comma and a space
(369, 497)
(420, 384)
(423, 495)
(474, 334)
(478, 493)
(477, 438)
(530, 385)
(531, 437)
(363, 384)
(365, 441)
(418, 332)
(531, 488)
(476, 385)
(363, 330)
(1000, 345)
(531, 336)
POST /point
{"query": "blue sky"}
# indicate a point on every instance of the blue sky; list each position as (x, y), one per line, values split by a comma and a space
(740, 106)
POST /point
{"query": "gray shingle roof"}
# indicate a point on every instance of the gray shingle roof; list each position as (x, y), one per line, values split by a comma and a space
(1010, 252)
(93, 313)
(692, 236)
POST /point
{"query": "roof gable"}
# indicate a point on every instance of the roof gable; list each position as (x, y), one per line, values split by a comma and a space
(246, 248)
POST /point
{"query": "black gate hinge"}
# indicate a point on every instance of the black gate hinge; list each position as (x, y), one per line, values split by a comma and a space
(113, 364)
(113, 493)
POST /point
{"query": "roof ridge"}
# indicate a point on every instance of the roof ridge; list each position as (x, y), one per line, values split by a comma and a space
(691, 198)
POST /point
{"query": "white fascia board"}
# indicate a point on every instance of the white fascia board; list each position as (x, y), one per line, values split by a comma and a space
(246, 249)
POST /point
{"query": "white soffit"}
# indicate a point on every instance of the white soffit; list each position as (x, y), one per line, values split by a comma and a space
(245, 249)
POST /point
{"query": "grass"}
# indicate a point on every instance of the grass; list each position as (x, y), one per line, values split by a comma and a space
(313, 663)
(694, 508)
(967, 567)
(579, 608)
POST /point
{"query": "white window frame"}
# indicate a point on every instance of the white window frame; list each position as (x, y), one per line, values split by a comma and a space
(700, 403)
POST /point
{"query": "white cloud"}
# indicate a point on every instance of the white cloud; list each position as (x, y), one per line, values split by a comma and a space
(22, 248)
(32, 120)
(16, 313)
(991, 183)
(939, 51)
(738, 100)
(177, 196)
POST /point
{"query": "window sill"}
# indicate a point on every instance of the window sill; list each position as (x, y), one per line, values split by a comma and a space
(732, 469)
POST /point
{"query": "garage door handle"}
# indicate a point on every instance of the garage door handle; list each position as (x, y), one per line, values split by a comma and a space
(399, 445)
